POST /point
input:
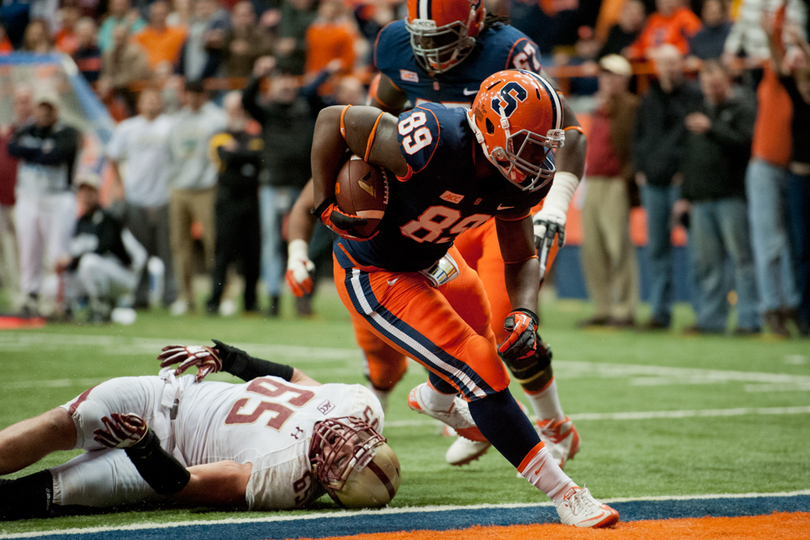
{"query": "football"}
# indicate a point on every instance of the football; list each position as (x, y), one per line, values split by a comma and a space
(362, 190)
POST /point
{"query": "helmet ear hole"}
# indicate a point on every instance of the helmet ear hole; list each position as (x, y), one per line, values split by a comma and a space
(490, 126)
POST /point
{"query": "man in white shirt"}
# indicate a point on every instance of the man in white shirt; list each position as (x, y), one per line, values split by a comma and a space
(193, 185)
(278, 441)
(138, 153)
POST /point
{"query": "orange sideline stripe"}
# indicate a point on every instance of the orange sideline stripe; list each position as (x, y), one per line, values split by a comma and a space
(776, 526)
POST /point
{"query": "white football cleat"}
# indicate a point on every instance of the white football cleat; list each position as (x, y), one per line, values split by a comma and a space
(464, 451)
(561, 438)
(580, 509)
(458, 417)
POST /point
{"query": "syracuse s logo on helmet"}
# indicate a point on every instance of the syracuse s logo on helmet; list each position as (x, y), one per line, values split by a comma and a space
(508, 98)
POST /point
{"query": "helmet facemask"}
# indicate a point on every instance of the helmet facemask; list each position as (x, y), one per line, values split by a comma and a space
(531, 167)
(339, 448)
(439, 49)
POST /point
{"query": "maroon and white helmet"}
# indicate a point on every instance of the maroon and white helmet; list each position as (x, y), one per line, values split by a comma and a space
(353, 463)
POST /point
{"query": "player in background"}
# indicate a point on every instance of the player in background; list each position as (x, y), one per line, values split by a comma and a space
(455, 169)
(279, 441)
(441, 53)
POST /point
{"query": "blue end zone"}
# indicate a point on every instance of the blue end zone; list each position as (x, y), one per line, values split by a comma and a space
(394, 520)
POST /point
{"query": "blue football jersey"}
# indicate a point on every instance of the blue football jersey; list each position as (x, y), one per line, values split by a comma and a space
(497, 48)
(440, 197)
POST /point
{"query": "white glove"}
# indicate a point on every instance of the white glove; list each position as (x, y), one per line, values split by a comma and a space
(549, 222)
(299, 268)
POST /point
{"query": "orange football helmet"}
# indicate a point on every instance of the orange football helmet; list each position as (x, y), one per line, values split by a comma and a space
(443, 32)
(517, 117)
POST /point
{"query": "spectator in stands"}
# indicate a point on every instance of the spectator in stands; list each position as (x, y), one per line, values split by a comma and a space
(287, 122)
(5, 43)
(87, 55)
(9, 268)
(626, 30)
(45, 207)
(37, 38)
(767, 189)
(657, 150)
(193, 186)
(708, 43)
(200, 54)
(140, 145)
(608, 256)
(120, 13)
(795, 77)
(296, 16)
(671, 23)
(162, 43)
(238, 156)
(245, 41)
(180, 13)
(66, 39)
(549, 23)
(122, 65)
(718, 143)
(585, 54)
(330, 37)
(105, 259)
(15, 15)
(747, 37)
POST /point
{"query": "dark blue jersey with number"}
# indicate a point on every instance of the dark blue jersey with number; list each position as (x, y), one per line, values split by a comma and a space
(440, 197)
(498, 47)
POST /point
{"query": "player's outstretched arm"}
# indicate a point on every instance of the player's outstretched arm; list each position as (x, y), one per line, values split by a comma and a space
(223, 357)
(223, 483)
(549, 222)
(516, 239)
(299, 232)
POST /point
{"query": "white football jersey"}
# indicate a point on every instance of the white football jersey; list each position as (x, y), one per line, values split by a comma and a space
(267, 422)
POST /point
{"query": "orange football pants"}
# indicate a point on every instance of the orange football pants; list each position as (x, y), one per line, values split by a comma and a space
(479, 248)
(446, 329)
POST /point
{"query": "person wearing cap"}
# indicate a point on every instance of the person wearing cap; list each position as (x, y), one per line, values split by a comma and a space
(45, 209)
(105, 260)
(608, 257)
(192, 181)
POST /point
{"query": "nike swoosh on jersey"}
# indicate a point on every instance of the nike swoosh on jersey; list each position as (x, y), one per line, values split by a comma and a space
(392, 281)
(467, 92)
(502, 207)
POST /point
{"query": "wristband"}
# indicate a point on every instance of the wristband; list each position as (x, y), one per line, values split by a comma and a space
(318, 212)
(160, 469)
(239, 363)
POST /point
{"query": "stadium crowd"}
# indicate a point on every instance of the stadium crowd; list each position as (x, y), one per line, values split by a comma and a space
(216, 101)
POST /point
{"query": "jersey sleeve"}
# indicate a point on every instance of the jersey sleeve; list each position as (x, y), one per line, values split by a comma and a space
(524, 54)
(419, 134)
(282, 480)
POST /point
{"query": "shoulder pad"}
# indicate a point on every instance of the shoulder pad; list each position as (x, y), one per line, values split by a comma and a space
(418, 133)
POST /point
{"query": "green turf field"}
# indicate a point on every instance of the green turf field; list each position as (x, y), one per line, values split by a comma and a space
(659, 413)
